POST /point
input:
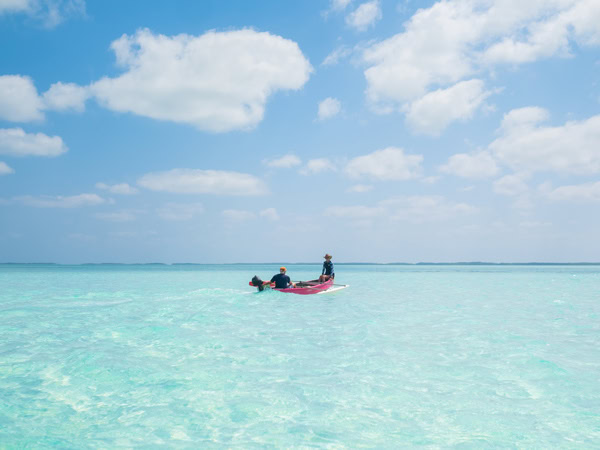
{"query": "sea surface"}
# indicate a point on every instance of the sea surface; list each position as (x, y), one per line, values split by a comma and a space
(189, 356)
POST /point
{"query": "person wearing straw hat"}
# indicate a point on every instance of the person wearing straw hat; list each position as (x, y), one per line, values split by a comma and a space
(281, 280)
(327, 272)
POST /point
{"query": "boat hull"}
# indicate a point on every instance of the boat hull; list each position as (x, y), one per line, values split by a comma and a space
(308, 287)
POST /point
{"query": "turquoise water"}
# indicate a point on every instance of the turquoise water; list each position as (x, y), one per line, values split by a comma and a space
(191, 356)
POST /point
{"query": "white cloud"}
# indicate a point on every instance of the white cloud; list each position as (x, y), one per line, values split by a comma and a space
(525, 145)
(328, 108)
(219, 81)
(473, 165)
(117, 216)
(73, 201)
(15, 142)
(360, 188)
(433, 112)
(425, 208)
(364, 16)
(5, 169)
(339, 5)
(285, 162)
(335, 56)
(196, 181)
(121, 188)
(587, 192)
(535, 224)
(414, 209)
(237, 215)
(65, 96)
(269, 213)
(19, 100)
(511, 185)
(50, 12)
(317, 165)
(453, 40)
(8, 6)
(387, 164)
(180, 211)
(358, 212)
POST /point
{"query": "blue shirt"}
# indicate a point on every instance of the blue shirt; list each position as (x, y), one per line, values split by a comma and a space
(328, 268)
(281, 280)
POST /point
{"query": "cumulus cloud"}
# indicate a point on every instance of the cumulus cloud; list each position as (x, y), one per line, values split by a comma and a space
(16, 142)
(120, 188)
(587, 192)
(219, 81)
(196, 181)
(5, 169)
(285, 162)
(180, 211)
(524, 144)
(433, 112)
(317, 165)
(452, 40)
(269, 213)
(364, 16)
(329, 108)
(387, 164)
(471, 165)
(65, 96)
(19, 100)
(73, 201)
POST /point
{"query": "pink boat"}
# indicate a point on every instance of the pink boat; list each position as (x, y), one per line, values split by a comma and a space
(302, 287)
(308, 287)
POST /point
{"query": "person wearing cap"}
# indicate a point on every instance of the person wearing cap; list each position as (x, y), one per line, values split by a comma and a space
(327, 272)
(281, 280)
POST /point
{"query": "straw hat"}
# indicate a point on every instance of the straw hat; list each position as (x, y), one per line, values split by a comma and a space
(327, 255)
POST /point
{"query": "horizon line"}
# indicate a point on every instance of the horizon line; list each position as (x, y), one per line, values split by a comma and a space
(422, 263)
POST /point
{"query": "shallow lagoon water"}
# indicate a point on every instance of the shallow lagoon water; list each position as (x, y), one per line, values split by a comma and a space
(189, 355)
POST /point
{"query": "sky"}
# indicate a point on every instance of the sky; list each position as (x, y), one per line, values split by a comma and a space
(224, 131)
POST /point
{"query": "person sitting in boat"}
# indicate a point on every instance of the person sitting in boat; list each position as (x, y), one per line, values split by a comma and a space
(327, 272)
(281, 280)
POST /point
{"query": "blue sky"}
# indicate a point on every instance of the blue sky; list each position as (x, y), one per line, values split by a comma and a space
(236, 131)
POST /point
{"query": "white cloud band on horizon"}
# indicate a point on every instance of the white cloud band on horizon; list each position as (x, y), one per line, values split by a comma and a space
(120, 188)
(73, 201)
(197, 181)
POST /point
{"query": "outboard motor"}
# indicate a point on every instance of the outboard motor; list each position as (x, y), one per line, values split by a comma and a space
(258, 283)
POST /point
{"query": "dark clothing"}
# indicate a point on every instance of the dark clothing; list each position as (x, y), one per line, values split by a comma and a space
(328, 269)
(281, 280)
